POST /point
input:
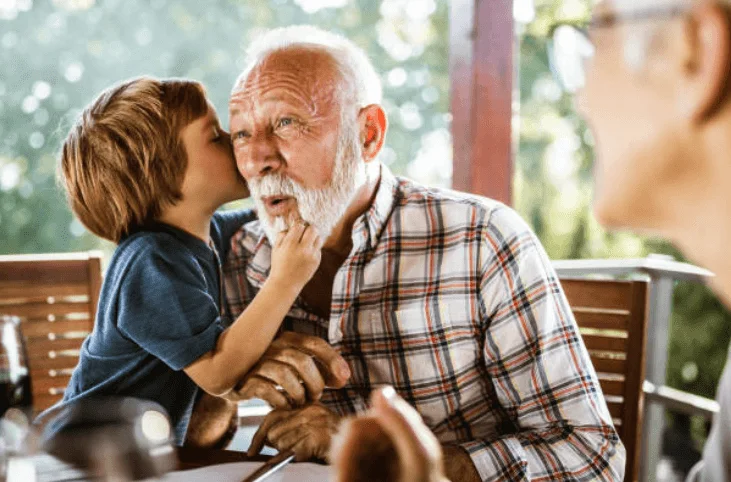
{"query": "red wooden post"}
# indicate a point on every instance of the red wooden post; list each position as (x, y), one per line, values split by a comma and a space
(481, 71)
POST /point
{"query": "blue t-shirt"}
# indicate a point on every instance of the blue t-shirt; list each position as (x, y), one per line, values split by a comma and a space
(159, 311)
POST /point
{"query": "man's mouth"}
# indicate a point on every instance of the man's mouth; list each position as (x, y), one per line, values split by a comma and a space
(278, 205)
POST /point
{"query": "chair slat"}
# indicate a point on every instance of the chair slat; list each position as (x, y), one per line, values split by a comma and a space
(601, 320)
(605, 343)
(46, 269)
(10, 290)
(616, 409)
(60, 361)
(44, 401)
(42, 310)
(53, 372)
(40, 348)
(612, 386)
(41, 329)
(607, 294)
(608, 365)
(43, 385)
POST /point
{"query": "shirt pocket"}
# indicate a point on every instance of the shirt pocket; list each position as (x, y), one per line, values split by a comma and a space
(425, 350)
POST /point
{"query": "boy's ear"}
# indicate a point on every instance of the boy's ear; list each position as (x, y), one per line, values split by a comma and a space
(373, 126)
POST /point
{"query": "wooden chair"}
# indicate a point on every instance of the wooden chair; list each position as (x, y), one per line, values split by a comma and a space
(612, 317)
(56, 297)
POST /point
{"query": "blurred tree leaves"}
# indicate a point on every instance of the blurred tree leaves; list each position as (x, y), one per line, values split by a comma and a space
(56, 56)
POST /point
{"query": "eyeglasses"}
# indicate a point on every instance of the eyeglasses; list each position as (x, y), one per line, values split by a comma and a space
(570, 47)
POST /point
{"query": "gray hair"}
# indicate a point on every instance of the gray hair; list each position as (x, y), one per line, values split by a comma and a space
(362, 84)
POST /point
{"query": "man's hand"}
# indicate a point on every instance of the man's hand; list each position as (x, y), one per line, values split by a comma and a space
(293, 371)
(212, 423)
(306, 431)
(390, 443)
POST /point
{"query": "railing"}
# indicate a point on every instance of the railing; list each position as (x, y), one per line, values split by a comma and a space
(662, 272)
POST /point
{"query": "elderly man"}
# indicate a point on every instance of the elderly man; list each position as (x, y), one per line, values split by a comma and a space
(447, 297)
(654, 83)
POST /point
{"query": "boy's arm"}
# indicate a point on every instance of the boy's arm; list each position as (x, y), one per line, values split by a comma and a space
(165, 307)
(241, 345)
(295, 257)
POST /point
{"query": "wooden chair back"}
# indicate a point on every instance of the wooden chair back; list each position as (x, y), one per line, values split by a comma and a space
(55, 296)
(612, 317)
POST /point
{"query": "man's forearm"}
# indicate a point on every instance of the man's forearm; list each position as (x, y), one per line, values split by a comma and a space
(458, 466)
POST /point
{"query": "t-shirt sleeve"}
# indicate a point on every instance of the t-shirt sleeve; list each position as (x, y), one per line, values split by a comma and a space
(227, 223)
(165, 307)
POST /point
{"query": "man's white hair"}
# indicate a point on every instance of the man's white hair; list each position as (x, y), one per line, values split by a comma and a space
(362, 83)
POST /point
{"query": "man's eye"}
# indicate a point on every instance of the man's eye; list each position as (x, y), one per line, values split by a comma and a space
(285, 121)
(240, 135)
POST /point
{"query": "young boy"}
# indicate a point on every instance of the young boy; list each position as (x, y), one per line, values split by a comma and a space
(146, 166)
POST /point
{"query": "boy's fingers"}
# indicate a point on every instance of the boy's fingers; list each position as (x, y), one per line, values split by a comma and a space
(280, 237)
(309, 236)
(295, 233)
(318, 242)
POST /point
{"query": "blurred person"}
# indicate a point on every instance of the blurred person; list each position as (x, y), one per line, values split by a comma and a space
(146, 166)
(446, 296)
(653, 80)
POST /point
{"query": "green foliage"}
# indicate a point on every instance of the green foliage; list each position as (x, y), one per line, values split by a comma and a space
(56, 56)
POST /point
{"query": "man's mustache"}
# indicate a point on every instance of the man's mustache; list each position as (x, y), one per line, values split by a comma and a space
(274, 185)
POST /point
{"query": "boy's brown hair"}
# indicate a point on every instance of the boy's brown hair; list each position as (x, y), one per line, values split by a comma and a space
(124, 161)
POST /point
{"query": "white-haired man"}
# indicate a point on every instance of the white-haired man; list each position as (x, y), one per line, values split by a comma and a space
(654, 83)
(447, 297)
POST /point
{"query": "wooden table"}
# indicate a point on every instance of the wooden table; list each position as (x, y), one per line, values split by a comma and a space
(193, 458)
(51, 469)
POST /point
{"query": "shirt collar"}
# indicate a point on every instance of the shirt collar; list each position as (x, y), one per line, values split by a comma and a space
(370, 225)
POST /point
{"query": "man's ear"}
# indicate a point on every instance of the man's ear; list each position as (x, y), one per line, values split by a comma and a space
(707, 55)
(373, 126)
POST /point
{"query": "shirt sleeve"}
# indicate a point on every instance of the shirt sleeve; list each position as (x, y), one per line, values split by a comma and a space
(165, 307)
(716, 463)
(228, 223)
(540, 370)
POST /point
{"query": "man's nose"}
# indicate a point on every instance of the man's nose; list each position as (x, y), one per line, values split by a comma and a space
(260, 157)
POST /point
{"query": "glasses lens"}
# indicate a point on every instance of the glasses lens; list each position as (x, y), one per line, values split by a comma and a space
(570, 49)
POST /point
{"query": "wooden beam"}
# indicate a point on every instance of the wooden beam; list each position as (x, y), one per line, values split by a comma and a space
(481, 71)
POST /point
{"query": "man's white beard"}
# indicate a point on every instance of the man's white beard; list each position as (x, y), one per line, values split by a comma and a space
(321, 208)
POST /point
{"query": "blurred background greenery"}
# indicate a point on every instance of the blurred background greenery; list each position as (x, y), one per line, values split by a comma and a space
(56, 55)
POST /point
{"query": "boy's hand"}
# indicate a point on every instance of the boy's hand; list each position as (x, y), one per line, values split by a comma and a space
(296, 255)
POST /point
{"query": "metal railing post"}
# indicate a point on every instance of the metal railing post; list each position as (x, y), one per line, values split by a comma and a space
(653, 425)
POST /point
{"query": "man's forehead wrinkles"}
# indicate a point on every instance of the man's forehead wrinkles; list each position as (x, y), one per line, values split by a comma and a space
(256, 95)
(279, 97)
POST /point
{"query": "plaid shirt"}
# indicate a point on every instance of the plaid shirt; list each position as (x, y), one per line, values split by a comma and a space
(451, 299)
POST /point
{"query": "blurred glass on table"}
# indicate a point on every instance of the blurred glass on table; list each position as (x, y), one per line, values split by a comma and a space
(16, 399)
